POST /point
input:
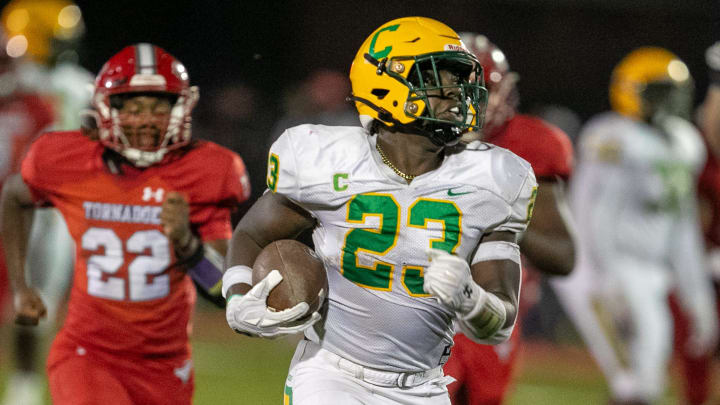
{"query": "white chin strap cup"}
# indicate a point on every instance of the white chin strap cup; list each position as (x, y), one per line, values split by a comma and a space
(143, 158)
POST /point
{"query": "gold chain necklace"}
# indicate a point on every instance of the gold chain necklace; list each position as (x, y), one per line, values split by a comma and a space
(408, 177)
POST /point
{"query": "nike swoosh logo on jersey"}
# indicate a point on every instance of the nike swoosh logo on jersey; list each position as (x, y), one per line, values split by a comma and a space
(451, 193)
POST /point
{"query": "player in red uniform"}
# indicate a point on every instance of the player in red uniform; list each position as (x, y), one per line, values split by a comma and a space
(697, 367)
(483, 373)
(149, 211)
(23, 115)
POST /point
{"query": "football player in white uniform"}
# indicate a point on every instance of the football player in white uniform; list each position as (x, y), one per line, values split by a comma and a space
(416, 231)
(634, 202)
(46, 34)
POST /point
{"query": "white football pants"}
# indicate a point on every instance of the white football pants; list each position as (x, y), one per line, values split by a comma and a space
(319, 377)
(625, 322)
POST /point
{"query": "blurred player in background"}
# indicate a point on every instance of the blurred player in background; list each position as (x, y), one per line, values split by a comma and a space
(149, 209)
(483, 372)
(417, 232)
(634, 202)
(44, 36)
(23, 114)
(697, 370)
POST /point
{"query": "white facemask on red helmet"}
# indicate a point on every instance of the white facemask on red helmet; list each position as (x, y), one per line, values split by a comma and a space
(503, 96)
(144, 68)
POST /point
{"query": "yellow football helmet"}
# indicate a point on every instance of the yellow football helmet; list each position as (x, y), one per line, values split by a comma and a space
(397, 65)
(631, 86)
(43, 29)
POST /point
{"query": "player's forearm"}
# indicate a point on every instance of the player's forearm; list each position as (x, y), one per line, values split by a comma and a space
(492, 318)
(242, 253)
(243, 249)
(204, 264)
(14, 230)
(549, 254)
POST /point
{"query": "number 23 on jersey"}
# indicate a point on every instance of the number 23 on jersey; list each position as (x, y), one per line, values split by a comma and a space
(382, 239)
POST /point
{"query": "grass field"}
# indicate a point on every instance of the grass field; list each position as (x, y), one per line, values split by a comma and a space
(233, 369)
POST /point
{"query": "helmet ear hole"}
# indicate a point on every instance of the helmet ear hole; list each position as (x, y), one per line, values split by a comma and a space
(380, 93)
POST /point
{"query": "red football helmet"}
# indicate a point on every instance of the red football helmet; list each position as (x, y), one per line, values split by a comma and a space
(503, 96)
(144, 68)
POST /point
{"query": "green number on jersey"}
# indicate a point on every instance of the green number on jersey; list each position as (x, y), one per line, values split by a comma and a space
(379, 240)
(273, 171)
(422, 212)
(384, 238)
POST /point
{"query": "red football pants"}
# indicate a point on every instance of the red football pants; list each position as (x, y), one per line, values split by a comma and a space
(483, 372)
(696, 371)
(4, 283)
(80, 375)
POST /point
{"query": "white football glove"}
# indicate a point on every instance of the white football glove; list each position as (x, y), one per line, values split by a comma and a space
(481, 314)
(248, 314)
(449, 279)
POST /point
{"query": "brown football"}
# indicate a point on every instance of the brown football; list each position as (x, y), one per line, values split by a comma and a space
(302, 270)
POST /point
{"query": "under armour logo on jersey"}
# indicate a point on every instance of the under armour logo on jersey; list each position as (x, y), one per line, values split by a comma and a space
(148, 194)
(467, 291)
(183, 372)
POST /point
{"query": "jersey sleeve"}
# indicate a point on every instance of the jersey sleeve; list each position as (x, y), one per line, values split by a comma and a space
(42, 111)
(215, 223)
(520, 187)
(282, 171)
(37, 168)
(546, 147)
(214, 220)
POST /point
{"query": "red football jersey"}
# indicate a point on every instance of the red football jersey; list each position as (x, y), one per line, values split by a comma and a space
(128, 295)
(550, 153)
(546, 147)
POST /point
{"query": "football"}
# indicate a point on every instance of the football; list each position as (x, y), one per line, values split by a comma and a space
(302, 270)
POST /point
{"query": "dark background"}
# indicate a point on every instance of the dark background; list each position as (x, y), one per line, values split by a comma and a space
(564, 50)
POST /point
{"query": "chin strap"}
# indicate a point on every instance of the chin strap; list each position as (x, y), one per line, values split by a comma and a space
(142, 158)
(443, 134)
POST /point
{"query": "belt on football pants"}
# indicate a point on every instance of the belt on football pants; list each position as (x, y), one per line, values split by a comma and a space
(380, 377)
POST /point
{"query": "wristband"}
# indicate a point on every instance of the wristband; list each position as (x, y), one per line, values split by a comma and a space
(235, 275)
(486, 318)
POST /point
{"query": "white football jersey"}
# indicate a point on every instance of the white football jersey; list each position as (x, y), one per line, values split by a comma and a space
(69, 85)
(631, 186)
(374, 230)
